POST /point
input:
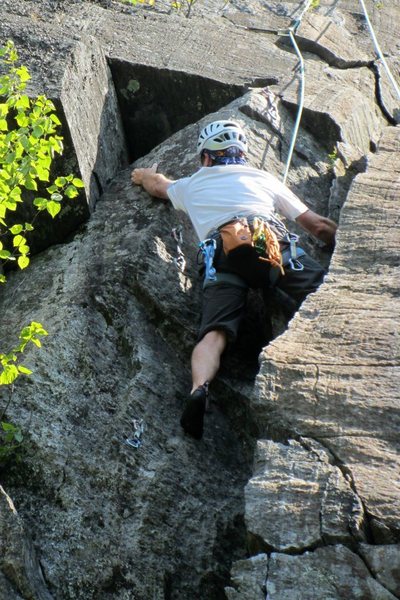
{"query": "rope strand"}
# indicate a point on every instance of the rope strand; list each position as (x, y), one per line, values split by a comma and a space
(263, 232)
(379, 51)
(301, 104)
(291, 33)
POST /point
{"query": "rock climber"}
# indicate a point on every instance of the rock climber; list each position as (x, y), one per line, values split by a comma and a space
(228, 202)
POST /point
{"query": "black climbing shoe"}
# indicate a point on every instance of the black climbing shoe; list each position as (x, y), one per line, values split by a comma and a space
(193, 415)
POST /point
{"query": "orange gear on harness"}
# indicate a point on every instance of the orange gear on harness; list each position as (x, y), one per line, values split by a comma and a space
(265, 239)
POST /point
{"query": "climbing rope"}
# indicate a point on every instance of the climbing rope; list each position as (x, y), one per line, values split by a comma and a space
(265, 239)
(291, 32)
(301, 104)
(378, 49)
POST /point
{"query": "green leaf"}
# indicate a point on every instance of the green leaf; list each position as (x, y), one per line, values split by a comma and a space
(22, 120)
(18, 240)
(7, 426)
(23, 261)
(31, 184)
(60, 181)
(37, 131)
(23, 74)
(3, 125)
(57, 197)
(25, 143)
(53, 208)
(4, 254)
(38, 328)
(42, 173)
(71, 191)
(10, 205)
(4, 108)
(9, 375)
(16, 229)
(55, 119)
(24, 370)
(23, 102)
(16, 193)
(18, 436)
(10, 157)
(40, 203)
(78, 182)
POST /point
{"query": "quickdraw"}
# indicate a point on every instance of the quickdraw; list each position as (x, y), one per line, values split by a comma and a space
(179, 260)
(293, 261)
(136, 440)
(207, 248)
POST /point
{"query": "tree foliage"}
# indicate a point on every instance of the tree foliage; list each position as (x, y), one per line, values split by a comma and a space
(29, 141)
(28, 145)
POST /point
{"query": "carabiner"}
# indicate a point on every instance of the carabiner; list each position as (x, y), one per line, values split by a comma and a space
(295, 264)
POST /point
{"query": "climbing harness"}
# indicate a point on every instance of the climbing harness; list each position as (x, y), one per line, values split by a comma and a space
(270, 238)
(138, 428)
(179, 260)
(207, 248)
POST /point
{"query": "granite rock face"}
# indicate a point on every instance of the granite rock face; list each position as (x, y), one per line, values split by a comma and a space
(294, 490)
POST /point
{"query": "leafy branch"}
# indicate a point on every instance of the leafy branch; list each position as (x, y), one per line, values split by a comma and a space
(11, 368)
(28, 144)
(11, 436)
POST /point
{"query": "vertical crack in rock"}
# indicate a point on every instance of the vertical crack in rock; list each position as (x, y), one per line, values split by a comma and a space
(315, 391)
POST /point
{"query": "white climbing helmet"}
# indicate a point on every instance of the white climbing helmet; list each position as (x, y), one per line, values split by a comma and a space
(220, 135)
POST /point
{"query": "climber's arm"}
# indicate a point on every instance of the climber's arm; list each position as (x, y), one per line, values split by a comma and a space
(156, 184)
(322, 228)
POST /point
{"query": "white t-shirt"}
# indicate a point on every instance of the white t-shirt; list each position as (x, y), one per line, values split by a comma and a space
(214, 195)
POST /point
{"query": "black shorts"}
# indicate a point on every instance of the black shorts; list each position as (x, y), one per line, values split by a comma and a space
(224, 300)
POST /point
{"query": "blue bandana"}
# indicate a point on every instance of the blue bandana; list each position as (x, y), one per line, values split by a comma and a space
(229, 156)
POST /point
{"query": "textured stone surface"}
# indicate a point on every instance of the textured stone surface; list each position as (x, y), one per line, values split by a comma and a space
(249, 578)
(166, 520)
(18, 560)
(384, 563)
(296, 500)
(348, 398)
(331, 573)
